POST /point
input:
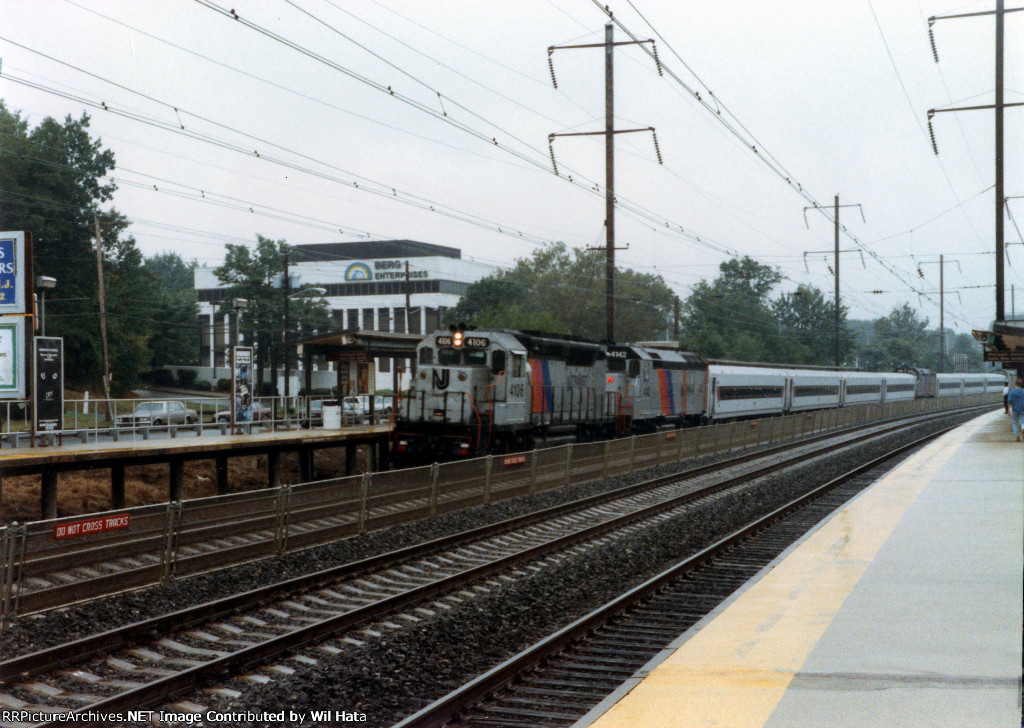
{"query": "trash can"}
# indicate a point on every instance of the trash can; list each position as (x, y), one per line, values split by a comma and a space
(332, 416)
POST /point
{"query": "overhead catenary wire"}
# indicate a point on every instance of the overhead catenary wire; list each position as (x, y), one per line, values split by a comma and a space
(721, 113)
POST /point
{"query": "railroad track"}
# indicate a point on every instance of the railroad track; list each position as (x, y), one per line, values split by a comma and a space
(149, 663)
(556, 681)
(256, 525)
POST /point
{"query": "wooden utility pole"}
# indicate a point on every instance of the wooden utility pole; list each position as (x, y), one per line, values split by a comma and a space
(835, 341)
(609, 183)
(103, 319)
(836, 252)
(998, 107)
(1000, 231)
(287, 347)
(942, 305)
(609, 157)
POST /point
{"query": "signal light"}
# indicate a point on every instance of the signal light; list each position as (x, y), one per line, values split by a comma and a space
(457, 339)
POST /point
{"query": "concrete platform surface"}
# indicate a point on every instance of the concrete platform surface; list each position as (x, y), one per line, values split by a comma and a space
(902, 609)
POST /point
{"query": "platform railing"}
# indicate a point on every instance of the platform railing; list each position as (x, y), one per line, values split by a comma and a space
(183, 538)
(89, 420)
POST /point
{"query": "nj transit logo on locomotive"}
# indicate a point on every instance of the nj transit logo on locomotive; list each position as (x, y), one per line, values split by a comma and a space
(441, 378)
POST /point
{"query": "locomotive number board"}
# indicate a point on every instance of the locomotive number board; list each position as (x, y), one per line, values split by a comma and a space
(470, 342)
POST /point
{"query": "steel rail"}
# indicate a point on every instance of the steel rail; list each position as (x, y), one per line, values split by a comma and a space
(163, 689)
(59, 593)
(448, 707)
(83, 649)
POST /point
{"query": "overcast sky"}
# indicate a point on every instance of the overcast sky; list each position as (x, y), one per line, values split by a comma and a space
(281, 123)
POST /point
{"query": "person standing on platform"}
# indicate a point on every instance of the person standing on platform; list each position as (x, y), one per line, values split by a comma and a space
(1006, 397)
(1016, 400)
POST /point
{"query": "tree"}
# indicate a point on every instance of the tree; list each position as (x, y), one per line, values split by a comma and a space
(255, 275)
(52, 185)
(731, 317)
(559, 290)
(806, 321)
(901, 339)
(175, 304)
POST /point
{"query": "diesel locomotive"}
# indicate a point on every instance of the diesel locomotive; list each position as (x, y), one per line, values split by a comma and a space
(499, 390)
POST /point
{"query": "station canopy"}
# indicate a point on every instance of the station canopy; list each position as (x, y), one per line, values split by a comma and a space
(350, 344)
(1004, 343)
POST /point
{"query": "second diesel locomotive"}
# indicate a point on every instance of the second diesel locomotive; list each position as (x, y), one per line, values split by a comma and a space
(500, 390)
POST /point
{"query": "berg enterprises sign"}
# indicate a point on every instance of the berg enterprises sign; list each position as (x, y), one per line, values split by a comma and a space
(382, 270)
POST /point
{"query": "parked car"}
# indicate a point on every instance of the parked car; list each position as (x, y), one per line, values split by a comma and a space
(358, 405)
(315, 415)
(260, 413)
(159, 413)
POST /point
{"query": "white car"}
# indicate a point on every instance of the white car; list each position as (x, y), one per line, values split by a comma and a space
(358, 405)
(159, 413)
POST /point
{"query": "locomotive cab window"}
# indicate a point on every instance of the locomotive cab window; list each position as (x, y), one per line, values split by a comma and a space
(448, 357)
(517, 365)
(497, 362)
(426, 355)
(634, 368)
(616, 365)
(475, 357)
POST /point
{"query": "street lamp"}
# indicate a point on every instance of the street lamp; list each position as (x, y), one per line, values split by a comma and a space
(238, 305)
(301, 293)
(44, 284)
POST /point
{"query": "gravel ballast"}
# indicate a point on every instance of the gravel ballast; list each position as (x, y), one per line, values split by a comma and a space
(401, 671)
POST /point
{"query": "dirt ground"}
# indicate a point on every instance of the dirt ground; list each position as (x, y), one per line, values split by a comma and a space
(88, 491)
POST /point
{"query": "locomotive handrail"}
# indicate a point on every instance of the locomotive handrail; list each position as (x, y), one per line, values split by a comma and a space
(490, 405)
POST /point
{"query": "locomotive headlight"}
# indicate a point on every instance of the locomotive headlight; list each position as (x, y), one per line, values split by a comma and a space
(457, 339)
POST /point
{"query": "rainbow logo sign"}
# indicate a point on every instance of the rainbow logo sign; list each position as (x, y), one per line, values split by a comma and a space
(358, 272)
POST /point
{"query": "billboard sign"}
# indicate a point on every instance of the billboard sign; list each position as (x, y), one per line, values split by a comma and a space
(12, 273)
(49, 384)
(12, 315)
(241, 384)
(12, 358)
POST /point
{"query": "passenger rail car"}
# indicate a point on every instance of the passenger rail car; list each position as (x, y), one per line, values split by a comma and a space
(954, 384)
(501, 390)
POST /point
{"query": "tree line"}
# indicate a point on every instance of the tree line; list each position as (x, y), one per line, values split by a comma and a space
(54, 180)
(739, 315)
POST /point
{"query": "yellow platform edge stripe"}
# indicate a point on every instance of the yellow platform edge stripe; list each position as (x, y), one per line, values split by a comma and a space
(735, 670)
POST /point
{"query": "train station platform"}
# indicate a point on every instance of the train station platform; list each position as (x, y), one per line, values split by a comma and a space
(902, 609)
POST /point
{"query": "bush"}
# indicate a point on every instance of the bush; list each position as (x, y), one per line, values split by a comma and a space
(187, 377)
(162, 377)
(223, 385)
(203, 385)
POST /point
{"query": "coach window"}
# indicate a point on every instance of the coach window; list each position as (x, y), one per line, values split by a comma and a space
(448, 357)
(426, 355)
(498, 362)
